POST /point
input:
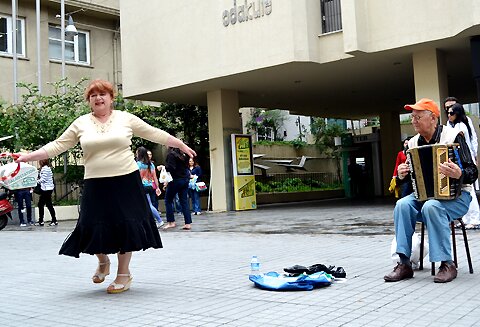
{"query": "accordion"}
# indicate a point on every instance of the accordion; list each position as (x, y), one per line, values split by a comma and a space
(427, 181)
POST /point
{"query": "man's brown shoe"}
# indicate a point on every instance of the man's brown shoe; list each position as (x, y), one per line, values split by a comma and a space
(446, 273)
(400, 272)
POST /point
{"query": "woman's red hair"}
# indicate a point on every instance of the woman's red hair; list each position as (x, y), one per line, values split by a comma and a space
(99, 85)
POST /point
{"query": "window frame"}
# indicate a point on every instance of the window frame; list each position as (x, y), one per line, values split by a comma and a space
(76, 47)
(9, 36)
(331, 16)
(267, 135)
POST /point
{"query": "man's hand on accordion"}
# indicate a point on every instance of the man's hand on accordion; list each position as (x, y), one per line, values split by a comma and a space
(403, 170)
(450, 169)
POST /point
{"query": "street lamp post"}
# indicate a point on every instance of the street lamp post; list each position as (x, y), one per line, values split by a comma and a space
(71, 31)
(62, 37)
(14, 50)
(39, 62)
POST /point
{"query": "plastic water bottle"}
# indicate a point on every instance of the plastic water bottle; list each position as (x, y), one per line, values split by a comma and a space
(254, 266)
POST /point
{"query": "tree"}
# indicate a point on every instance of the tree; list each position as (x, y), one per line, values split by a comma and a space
(324, 135)
(262, 120)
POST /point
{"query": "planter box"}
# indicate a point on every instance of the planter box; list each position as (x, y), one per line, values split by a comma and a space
(265, 198)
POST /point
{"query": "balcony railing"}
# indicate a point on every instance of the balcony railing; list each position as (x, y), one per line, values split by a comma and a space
(280, 183)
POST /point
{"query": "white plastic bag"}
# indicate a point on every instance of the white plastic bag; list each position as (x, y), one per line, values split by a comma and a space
(165, 176)
(415, 255)
(25, 178)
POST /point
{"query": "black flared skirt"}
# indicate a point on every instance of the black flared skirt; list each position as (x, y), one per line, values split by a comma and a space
(114, 217)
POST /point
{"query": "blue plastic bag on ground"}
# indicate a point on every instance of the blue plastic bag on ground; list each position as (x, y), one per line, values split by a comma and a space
(273, 281)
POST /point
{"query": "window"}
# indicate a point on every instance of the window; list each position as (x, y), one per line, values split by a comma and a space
(331, 16)
(77, 48)
(6, 38)
(265, 133)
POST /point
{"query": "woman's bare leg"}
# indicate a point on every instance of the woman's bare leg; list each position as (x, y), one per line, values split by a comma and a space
(103, 268)
(123, 267)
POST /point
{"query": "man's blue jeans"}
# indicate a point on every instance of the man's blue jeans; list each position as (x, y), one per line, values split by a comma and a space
(179, 186)
(20, 196)
(437, 215)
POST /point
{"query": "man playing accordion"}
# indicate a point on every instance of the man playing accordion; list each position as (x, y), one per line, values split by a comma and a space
(436, 214)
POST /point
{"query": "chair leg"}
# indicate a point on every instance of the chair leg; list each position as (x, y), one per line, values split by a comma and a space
(454, 244)
(422, 244)
(467, 248)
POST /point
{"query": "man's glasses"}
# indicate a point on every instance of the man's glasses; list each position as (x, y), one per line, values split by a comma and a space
(416, 117)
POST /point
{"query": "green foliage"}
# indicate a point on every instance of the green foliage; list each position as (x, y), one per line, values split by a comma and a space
(294, 185)
(261, 120)
(74, 173)
(324, 136)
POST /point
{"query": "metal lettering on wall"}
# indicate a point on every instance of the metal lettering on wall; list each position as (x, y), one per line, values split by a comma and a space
(245, 12)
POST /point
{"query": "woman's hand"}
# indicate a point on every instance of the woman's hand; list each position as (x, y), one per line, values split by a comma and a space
(188, 151)
(22, 157)
(158, 192)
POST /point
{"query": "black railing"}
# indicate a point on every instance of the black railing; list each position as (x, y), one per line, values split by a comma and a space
(281, 183)
(331, 16)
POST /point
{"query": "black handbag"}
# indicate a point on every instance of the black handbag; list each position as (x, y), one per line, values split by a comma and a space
(37, 189)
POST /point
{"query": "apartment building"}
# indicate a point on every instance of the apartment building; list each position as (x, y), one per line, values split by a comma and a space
(324, 58)
(95, 52)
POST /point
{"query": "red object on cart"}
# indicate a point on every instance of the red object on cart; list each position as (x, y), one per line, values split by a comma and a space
(15, 172)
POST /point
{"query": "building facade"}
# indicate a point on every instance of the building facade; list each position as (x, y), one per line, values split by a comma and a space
(94, 53)
(324, 58)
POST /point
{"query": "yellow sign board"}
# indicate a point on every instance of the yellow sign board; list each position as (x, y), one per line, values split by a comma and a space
(243, 174)
(243, 155)
(245, 197)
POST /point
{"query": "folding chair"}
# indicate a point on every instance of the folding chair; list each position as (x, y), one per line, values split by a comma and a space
(467, 249)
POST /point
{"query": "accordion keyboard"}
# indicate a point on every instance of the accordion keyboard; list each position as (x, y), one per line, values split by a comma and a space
(443, 181)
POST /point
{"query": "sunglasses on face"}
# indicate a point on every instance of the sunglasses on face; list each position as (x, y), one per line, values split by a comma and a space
(450, 113)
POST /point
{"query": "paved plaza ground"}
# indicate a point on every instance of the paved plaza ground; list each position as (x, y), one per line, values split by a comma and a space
(200, 277)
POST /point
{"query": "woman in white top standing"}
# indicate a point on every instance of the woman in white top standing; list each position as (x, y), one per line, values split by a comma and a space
(114, 215)
(457, 119)
(45, 179)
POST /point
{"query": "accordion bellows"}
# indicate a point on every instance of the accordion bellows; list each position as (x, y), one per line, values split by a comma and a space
(427, 181)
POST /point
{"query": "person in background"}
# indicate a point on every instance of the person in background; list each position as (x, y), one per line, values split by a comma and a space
(436, 214)
(114, 214)
(457, 119)
(176, 165)
(150, 181)
(195, 173)
(447, 103)
(155, 184)
(45, 179)
(21, 196)
(405, 188)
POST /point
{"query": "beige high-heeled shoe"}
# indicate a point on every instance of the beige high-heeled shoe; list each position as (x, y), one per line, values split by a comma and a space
(99, 277)
(120, 288)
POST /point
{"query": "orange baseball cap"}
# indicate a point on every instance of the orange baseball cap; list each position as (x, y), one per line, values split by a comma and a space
(424, 104)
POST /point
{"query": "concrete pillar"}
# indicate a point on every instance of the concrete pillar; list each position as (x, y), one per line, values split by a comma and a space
(223, 120)
(430, 76)
(390, 140)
